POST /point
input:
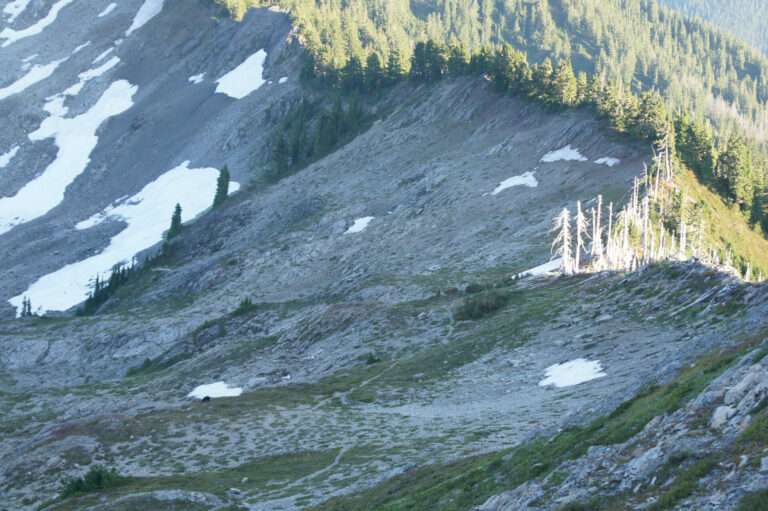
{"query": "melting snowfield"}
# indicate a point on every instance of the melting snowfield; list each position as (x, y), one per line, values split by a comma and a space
(526, 179)
(36, 74)
(218, 389)
(147, 215)
(148, 10)
(197, 78)
(542, 269)
(75, 138)
(567, 153)
(359, 225)
(15, 8)
(245, 78)
(611, 162)
(572, 373)
(6, 158)
(109, 9)
(14, 35)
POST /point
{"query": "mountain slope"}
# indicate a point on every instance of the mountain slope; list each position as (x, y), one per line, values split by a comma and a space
(742, 18)
(360, 321)
(633, 43)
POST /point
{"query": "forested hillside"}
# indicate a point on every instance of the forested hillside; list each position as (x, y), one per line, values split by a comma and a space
(637, 44)
(346, 40)
(746, 19)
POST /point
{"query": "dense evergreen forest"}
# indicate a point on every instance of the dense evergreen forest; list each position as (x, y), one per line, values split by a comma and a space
(635, 43)
(745, 19)
(653, 74)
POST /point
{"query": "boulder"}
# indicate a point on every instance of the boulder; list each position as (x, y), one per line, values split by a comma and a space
(721, 416)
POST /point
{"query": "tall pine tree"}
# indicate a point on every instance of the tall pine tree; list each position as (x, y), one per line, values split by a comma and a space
(222, 186)
(175, 222)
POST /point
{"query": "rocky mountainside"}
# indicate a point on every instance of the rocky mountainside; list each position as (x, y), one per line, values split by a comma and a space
(366, 330)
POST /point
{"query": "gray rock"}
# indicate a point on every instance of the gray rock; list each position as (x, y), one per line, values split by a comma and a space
(721, 416)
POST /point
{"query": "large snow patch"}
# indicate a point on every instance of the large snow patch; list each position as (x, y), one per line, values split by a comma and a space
(567, 153)
(218, 389)
(36, 74)
(526, 179)
(147, 215)
(76, 138)
(607, 160)
(6, 158)
(542, 269)
(14, 35)
(572, 373)
(109, 9)
(148, 10)
(15, 8)
(245, 78)
(359, 225)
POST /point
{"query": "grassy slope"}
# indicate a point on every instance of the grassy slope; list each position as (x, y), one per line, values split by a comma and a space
(726, 226)
(467, 482)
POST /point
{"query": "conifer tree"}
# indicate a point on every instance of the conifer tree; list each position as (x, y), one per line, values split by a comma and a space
(175, 223)
(222, 187)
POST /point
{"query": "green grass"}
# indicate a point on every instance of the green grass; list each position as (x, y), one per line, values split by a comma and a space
(260, 474)
(684, 484)
(755, 501)
(467, 482)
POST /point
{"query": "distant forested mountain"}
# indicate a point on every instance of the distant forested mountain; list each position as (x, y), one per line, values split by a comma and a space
(639, 44)
(746, 19)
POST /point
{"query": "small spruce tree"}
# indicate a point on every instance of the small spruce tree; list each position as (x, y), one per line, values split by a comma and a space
(222, 186)
(175, 222)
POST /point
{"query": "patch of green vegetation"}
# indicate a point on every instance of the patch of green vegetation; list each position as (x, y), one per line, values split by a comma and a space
(482, 304)
(755, 501)
(259, 473)
(757, 431)
(96, 479)
(246, 305)
(467, 482)
(685, 484)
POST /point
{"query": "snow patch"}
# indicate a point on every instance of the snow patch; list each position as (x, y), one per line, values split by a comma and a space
(75, 138)
(567, 153)
(283, 80)
(31, 57)
(611, 162)
(218, 389)
(146, 216)
(102, 55)
(84, 45)
(542, 269)
(109, 9)
(197, 78)
(359, 225)
(526, 179)
(96, 72)
(6, 158)
(15, 8)
(245, 78)
(148, 10)
(36, 74)
(55, 105)
(14, 35)
(572, 373)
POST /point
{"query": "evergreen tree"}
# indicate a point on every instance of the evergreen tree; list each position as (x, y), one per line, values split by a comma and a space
(175, 228)
(374, 73)
(222, 187)
(397, 70)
